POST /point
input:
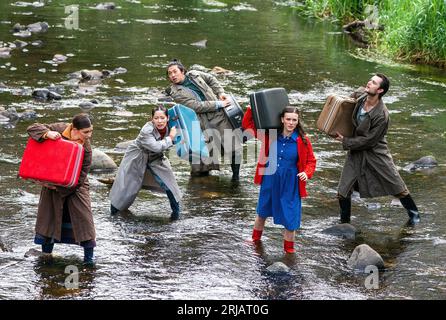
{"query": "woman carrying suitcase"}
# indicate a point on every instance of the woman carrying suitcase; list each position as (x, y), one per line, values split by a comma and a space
(145, 158)
(285, 164)
(64, 214)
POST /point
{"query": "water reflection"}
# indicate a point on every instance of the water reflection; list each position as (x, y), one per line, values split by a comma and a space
(63, 278)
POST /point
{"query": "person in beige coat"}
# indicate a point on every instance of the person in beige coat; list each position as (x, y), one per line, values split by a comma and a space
(369, 167)
(64, 214)
(202, 92)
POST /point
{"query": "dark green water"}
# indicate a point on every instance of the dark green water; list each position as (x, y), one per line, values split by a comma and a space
(141, 255)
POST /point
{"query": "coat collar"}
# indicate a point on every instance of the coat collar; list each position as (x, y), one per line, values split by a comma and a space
(372, 113)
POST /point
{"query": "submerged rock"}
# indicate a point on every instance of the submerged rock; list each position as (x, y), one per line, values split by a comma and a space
(28, 115)
(34, 253)
(94, 74)
(343, 230)
(102, 162)
(38, 27)
(278, 267)
(427, 162)
(106, 6)
(11, 114)
(37, 43)
(19, 44)
(5, 52)
(45, 94)
(4, 246)
(60, 58)
(88, 105)
(364, 256)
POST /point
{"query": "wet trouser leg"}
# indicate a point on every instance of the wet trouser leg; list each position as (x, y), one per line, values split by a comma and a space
(174, 205)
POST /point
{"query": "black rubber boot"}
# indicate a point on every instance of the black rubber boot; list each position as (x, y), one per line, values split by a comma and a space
(346, 207)
(412, 210)
(113, 210)
(235, 172)
(235, 167)
(89, 256)
(47, 248)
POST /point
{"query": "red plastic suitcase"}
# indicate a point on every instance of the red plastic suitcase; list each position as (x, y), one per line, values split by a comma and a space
(58, 162)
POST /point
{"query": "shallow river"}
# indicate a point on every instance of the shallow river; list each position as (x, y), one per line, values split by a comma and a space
(204, 255)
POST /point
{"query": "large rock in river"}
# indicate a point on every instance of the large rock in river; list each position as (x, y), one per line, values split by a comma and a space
(364, 256)
(422, 163)
(102, 162)
(343, 230)
(278, 267)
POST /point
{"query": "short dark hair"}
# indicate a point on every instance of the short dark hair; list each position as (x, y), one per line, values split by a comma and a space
(81, 121)
(385, 84)
(177, 63)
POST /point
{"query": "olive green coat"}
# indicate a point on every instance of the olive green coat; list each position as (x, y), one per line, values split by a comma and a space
(210, 117)
(369, 162)
(50, 210)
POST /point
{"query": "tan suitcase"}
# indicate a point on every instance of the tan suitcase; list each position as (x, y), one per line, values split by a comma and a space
(336, 116)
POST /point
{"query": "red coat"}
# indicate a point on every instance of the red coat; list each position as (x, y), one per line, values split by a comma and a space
(306, 162)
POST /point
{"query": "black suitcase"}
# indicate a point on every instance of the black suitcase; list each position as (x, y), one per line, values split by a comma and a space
(266, 107)
(234, 112)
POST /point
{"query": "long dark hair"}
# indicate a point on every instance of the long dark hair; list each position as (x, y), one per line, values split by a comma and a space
(177, 63)
(299, 128)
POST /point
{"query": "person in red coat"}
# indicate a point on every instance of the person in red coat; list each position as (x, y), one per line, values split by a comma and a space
(285, 164)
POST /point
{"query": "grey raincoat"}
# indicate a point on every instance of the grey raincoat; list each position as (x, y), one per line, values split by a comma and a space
(148, 147)
(369, 167)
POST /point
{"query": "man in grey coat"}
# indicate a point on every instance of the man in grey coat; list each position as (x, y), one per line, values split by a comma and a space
(369, 167)
(203, 93)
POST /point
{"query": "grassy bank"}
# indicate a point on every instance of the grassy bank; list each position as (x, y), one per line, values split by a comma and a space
(414, 30)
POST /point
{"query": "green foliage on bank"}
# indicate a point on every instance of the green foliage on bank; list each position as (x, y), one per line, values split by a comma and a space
(414, 30)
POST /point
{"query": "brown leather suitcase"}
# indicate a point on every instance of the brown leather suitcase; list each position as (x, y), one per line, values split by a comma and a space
(336, 116)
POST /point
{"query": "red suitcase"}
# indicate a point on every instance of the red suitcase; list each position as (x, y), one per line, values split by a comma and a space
(58, 162)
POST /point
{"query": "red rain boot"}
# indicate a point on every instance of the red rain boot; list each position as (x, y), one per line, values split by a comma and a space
(256, 235)
(288, 246)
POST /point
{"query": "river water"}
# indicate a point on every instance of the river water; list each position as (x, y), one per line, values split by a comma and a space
(141, 254)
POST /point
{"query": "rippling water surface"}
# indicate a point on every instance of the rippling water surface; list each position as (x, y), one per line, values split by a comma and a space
(141, 254)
